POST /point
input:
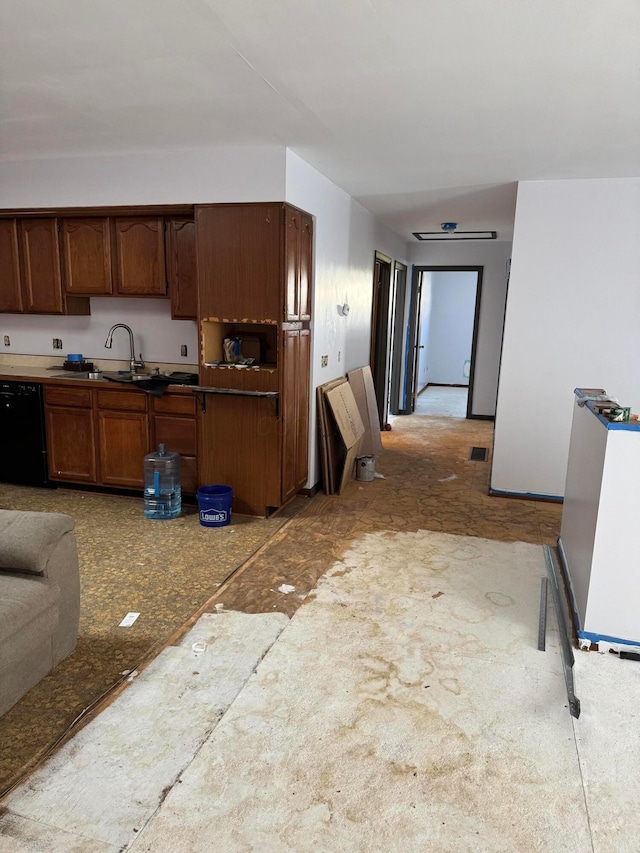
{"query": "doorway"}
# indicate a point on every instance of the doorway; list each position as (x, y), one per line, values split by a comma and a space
(442, 332)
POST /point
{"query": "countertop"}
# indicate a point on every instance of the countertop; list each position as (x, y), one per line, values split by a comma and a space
(57, 376)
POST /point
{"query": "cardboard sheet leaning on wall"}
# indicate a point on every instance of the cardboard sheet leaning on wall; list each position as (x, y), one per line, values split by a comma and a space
(348, 425)
(341, 430)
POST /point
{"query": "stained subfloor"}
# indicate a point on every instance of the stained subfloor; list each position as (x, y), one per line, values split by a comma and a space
(426, 481)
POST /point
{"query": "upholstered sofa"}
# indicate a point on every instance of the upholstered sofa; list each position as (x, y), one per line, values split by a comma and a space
(39, 598)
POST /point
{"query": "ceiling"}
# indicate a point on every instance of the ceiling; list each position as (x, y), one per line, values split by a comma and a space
(423, 110)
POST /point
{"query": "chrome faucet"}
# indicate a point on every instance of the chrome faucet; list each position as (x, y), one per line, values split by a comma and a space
(134, 364)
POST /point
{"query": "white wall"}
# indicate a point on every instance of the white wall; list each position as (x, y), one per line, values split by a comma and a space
(492, 256)
(178, 177)
(572, 321)
(346, 237)
(453, 302)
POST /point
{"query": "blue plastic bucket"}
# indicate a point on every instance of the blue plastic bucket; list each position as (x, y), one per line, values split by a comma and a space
(214, 505)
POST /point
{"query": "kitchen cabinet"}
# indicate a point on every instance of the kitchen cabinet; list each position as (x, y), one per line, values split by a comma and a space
(295, 410)
(298, 252)
(86, 250)
(10, 288)
(140, 256)
(174, 425)
(71, 445)
(254, 265)
(180, 234)
(100, 435)
(42, 271)
(123, 437)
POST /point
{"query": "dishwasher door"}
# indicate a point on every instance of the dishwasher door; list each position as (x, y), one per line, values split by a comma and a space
(24, 453)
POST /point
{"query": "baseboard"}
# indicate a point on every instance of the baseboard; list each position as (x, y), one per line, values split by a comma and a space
(311, 491)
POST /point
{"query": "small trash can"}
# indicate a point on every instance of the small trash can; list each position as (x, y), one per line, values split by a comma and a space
(214, 505)
(365, 468)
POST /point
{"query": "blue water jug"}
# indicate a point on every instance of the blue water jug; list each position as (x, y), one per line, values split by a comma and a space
(162, 492)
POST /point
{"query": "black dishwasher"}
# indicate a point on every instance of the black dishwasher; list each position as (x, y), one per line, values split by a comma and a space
(24, 453)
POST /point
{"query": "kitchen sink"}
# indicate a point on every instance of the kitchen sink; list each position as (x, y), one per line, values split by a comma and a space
(176, 378)
(79, 374)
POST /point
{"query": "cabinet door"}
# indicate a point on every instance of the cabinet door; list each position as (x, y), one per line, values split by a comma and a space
(10, 290)
(239, 440)
(306, 266)
(181, 267)
(292, 265)
(71, 444)
(295, 411)
(239, 249)
(123, 443)
(41, 271)
(86, 245)
(179, 435)
(140, 256)
(298, 249)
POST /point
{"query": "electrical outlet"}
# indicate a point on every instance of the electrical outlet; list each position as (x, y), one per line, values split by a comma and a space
(7, 341)
(324, 361)
(183, 350)
(57, 343)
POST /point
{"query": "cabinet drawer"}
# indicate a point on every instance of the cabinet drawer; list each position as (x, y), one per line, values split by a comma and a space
(129, 401)
(57, 395)
(177, 434)
(175, 404)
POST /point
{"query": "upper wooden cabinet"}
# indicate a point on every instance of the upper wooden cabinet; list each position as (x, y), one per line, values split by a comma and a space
(298, 245)
(41, 270)
(181, 267)
(10, 288)
(86, 245)
(240, 261)
(140, 256)
(42, 276)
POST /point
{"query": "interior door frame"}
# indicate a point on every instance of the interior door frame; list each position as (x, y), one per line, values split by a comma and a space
(397, 335)
(414, 327)
(381, 323)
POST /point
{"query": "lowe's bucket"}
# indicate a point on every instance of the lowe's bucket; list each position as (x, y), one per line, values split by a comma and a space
(214, 505)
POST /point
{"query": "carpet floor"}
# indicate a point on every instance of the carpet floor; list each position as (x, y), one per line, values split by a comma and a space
(164, 570)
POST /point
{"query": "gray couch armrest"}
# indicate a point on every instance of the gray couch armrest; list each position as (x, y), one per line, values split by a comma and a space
(27, 539)
(44, 544)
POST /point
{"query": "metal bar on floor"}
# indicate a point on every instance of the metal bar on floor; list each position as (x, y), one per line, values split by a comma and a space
(567, 651)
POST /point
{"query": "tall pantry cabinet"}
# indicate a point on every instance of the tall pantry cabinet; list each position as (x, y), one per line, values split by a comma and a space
(254, 265)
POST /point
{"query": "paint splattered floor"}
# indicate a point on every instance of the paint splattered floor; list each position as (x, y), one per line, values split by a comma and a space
(429, 486)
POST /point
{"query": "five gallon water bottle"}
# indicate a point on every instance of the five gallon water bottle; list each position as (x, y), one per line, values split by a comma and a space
(162, 493)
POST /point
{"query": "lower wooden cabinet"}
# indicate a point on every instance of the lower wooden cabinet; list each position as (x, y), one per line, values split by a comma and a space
(71, 443)
(175, 426)
(100, 437)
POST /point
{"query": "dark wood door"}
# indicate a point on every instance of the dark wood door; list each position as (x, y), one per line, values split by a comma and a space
(86, 250)
(140, 256)
(295, 410)
(306, 267)
(239, 446)
(42, 276)
(302, 404)
(181, 267)
(292, 243)
(10, 289)
(71, 444)
(239, 251)
(123, 442)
